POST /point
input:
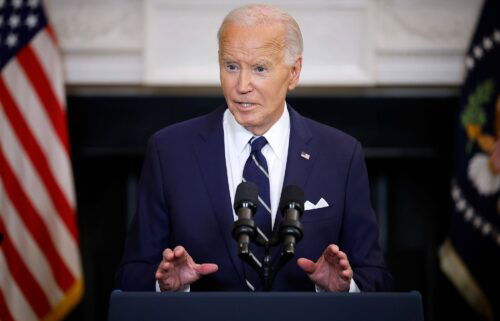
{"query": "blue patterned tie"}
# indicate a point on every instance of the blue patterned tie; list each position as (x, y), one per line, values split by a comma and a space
(255, 171)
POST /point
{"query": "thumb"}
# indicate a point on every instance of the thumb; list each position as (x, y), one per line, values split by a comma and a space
(207, 268)
(307, 265)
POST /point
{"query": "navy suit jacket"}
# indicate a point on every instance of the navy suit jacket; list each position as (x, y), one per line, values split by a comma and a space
(184, 200)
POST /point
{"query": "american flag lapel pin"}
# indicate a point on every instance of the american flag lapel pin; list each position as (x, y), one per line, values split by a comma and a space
(305, 155)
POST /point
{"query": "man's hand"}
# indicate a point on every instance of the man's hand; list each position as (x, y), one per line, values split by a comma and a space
(177, 270)
(331, 272)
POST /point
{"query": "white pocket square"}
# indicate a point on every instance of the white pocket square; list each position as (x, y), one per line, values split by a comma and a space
(310, 206)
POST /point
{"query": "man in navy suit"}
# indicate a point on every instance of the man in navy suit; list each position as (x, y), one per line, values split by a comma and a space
(180, 239)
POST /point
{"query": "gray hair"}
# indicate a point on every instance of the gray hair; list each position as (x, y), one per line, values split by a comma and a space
(255, 14)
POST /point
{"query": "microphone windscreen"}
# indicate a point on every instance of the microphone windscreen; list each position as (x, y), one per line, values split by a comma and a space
(292, 194)
(246, 192)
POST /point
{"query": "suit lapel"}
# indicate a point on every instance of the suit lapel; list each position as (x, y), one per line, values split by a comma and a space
(301, 155)
(209, 149)
(300, 160)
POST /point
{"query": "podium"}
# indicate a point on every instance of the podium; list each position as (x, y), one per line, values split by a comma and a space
(263, 306)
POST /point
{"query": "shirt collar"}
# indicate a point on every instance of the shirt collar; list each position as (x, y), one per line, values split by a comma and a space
(275, 136)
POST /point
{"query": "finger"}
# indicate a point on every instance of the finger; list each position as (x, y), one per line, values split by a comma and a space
(347, 274)
(307, 265)
(333, 249)
(168, 254)
(344, 264)
(164, 267)
(160, 274)
(341, 255)
(345, 267)
(179, 251)
(331, 254)
(343, 260)
(206, 268)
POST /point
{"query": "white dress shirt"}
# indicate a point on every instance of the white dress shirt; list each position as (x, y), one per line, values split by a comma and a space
(237, 149)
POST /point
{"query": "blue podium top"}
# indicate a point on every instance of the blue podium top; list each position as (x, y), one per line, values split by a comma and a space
(262, 306)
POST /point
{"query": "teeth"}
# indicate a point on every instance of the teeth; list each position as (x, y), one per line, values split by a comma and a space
(246, 104)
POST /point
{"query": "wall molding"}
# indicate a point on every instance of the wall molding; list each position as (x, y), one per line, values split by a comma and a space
(359, 43)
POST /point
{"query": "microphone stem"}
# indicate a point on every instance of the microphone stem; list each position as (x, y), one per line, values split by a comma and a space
(266, 269)
(289, 245)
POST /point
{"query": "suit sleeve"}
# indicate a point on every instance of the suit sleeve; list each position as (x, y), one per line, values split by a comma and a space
(359, 235)
(149, 230)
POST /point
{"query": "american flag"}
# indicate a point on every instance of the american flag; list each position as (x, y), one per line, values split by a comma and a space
(40, 269)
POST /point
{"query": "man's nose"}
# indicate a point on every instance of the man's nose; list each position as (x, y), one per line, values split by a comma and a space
(244, 82)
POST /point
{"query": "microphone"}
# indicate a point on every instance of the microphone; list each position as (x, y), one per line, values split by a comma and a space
(245, 205)
(292, 208)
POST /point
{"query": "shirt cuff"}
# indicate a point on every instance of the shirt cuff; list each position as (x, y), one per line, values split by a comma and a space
(187, 288)
(353, 287)
(157, 287)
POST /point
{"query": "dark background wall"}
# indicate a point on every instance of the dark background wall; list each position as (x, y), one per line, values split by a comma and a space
(407, 141)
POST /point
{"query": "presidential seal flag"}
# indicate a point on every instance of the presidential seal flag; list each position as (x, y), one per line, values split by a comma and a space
(470, 257)
(40, 269)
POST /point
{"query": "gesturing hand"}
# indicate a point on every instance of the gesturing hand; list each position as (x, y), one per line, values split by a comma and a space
(177, 269)
(331, 272)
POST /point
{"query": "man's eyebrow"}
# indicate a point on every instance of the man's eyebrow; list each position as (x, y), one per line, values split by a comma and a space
(264, 62)
(258, 61)
(226, 57)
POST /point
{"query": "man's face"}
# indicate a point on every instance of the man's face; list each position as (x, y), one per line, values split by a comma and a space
(253, 74)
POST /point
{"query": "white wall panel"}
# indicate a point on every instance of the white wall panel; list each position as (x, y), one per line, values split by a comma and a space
(423, 42)
(181, 45)
(347, 42)
(102, 40)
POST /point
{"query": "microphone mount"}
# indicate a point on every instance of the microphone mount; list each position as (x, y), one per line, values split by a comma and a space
(288, 233)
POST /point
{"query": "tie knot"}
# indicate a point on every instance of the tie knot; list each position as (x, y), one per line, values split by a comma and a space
(257, 143)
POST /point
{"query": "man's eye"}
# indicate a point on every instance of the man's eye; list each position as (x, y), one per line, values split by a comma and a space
(231, 67)
(260, 69)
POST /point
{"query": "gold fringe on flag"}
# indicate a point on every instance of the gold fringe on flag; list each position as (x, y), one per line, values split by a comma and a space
(455, 269)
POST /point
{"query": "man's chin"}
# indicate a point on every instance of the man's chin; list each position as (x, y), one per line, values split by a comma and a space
(245, 123)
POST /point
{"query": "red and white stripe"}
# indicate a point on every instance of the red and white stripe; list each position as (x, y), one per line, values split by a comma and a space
(40, 265)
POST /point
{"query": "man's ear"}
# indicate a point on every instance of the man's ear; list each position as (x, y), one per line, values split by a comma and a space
(295, 73)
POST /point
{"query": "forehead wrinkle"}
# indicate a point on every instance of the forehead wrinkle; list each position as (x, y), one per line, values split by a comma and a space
(271, 51)
(227, 48)
(276, 43)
